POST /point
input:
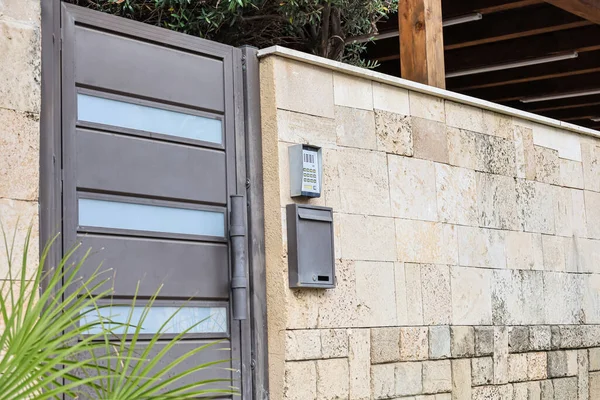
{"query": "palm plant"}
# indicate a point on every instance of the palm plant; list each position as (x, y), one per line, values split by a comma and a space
(55, 342)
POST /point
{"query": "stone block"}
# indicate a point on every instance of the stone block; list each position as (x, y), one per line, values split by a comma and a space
(594, 359)
(592, 201)
(363, 182)
(414, 297)
(401, 294)
(500, 355)
(524, 251)
(591, 333)
(359, 363)
(571, 173)
(526, 391)
(17, 217)
(355, 128)
(496, 155)
(497, 201)
(547, 167)
(480, 247)
(571, 336)
(461, 379)
(536, 206)
(304, 88)
(563, 298)
(554, 253)
(564, 214)
(412, 188)
(413, 343)
(568, 144)
(437, 376)
(555, 339)
(426, 242)
(20, 147)
(456, 195)
(537, 366)
(332, 379)
(21, 66)
(583, 383)
(339, 307)
(393, 133)
(375, 293)
(367, 238)
(517, 297)
(300, 380)
(435, 289)
(471, 296)
(463, 149)
(463, 116)
(594, 383)
(517, 367)
(547, 390)
(482, 371)
(409, 378)
(294, 127)
(439, 342)
(539, 337)
(390, 98)
(497, 125)
(383, 381)
(565, 388)
(430, 141)
(426, 106)
(524, 152)
(385, 345)
(578, 222)
(591, 299)
(484, 340)
(590, 157)
(462, 341)
(302, 345)
(350, 91)
(21, 10)
(588, 252)
(500, 392)
(558, 364)
(334, 343)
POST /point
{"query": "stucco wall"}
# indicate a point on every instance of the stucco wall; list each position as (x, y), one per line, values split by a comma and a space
(20, 62)
(467, 246)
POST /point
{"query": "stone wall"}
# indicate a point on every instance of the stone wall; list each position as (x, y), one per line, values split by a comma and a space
(20, 63)
(467, 245)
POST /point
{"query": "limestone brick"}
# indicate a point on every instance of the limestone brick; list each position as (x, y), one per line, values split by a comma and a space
(583, 383)
(300, 380)
(463, 149)
(439, 342)
(385, 345)
(383, 381)
(565, 388)
(517, 367)
(414, 297)
(480, 247)
(413, 343)
(517, 297)
(355, 128)
(390, 98)
(524, 250)
(303, 345)
(402, 291)
(594, 384)
(471, 296)
(19, 146)
(339, 307)
(537, 366)
(566, 143)
(332, 379)
(426, 106)
(394, 133)
(547, 167)
(304, 88)
(493, 392)
(462, 341)
(409, 378)
(359, 364)
(464, 117)
(412, 188)
(484, 340)
(21, 10)
(430, 141)
(569, 220)
(578, 218)
(456, 195)
(571, 173)
(367, 238)
(562, 298)
(461, 379)
(539, 337)
(590, 155)
(562, 363)
(555, 339)
(594, 359)
(375, 293)
(571, 336)
(334, 343)
(500, 355)
(294, 127)
(524, 152)
(588, 252)
(350, 91)
(437, 376)
(497, 201)
(497, 124)
(547, 390)
(554, 253)
(536, 206)
(363, 182)
(17, 217)
(592, 202)
(518, 339)
(435, 290)
(482, 371)
(526, 391)
(426, 242)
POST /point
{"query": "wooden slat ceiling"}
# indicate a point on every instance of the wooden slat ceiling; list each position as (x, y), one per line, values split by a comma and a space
(513, 31)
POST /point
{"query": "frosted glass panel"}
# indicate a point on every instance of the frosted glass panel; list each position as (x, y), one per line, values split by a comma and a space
(209, 319)
(142, 217)
(149, 119)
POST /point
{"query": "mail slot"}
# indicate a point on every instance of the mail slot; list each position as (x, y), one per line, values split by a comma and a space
(311, 262)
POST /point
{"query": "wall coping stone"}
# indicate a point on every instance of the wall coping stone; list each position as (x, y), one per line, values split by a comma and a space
(419, 87)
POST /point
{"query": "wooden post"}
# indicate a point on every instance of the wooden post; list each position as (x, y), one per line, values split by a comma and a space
(422, 41)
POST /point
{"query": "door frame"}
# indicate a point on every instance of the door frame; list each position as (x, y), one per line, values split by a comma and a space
(248, 157)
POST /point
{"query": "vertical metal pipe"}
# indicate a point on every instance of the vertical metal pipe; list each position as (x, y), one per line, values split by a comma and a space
(239, 282)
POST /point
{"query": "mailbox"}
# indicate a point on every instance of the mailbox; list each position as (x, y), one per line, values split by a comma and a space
(311, 260)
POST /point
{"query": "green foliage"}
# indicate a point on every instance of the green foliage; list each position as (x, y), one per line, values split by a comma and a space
(321, 27)
(48, 348)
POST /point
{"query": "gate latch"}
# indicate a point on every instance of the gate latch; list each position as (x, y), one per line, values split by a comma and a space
(239, 282)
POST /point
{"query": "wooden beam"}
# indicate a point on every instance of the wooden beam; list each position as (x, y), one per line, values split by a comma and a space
(422, 42)
(453, 8)
(587, 9)
(571, 114)
(557, 104)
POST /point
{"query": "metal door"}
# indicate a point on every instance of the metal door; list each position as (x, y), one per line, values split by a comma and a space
(152, 153)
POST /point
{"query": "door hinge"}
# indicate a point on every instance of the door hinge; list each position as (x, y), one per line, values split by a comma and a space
(239, 282)
(244, 62)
